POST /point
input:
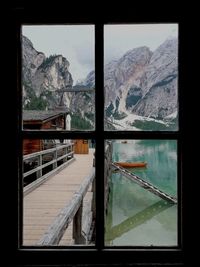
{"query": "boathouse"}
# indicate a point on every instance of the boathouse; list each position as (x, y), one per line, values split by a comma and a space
(42, 120)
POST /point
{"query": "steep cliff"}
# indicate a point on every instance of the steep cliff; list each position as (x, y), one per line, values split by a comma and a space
(43, 77)
(159, 83)
(122, 76)
(143, 83)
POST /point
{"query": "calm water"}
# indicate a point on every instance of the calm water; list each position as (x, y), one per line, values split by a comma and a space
(136, 216)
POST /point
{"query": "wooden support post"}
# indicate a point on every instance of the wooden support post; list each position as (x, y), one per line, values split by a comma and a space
(66, 151)
(77, 226)
(93, 205)
(55, 156)
(107, 172)
(39, 172)
(94, 160)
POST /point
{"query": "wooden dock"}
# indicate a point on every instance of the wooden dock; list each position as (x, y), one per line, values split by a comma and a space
(43, 205)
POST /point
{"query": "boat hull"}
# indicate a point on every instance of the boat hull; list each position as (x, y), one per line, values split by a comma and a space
(131, 164)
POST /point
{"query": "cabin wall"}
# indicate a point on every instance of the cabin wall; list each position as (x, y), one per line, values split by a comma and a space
(31, 146)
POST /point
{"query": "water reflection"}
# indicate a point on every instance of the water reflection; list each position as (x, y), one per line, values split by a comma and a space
(135, 216)
(136, 220)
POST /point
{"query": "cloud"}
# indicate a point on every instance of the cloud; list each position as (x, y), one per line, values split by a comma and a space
(118, 39)
(75, 42)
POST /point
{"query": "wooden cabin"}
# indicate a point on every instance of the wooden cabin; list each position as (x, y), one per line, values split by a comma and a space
(44, 119)
(39, 120)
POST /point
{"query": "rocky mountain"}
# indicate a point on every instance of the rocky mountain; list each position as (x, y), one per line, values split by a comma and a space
(44, 76)
(123, 76)
(159, 83)
(143, 83)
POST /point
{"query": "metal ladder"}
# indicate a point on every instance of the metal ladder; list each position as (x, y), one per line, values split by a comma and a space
(146, 185)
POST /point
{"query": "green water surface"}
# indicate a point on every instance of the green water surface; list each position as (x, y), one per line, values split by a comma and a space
(135, 216)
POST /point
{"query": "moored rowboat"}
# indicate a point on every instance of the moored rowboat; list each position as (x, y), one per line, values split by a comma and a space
(131, 164)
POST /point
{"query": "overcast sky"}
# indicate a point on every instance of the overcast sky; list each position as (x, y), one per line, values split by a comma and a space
(75, 42)
(118, 39)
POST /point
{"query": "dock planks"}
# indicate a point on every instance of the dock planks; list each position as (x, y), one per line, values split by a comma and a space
(43, 204)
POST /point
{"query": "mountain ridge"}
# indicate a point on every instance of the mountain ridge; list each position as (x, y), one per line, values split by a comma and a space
(145, 84)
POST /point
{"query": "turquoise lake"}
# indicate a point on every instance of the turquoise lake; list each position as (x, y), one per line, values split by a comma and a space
(135, 216)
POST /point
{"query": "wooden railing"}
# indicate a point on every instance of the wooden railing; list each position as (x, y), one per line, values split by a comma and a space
(67, 157)
(72, 211)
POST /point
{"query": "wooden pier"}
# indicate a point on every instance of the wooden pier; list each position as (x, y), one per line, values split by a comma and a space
(59, 208)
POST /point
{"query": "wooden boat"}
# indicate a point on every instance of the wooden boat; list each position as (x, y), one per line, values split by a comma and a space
(131, 164)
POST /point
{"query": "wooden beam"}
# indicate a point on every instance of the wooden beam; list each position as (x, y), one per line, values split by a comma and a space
(46, 164)
(93, 205)
(39, 171)
(46, 151)
(77, 226)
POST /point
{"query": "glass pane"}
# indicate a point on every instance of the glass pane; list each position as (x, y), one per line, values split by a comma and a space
(58, 77)
(59, 205)
(141, 193)
(141, 77)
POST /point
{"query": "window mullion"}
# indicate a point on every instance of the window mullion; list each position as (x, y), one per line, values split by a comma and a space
(99, 101)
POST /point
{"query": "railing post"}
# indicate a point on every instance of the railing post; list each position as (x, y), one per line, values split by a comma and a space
(39, 172)
(93, 205)
(107, 172)
(77, 226)
(71, 150)
(55, 155)
(66, 152)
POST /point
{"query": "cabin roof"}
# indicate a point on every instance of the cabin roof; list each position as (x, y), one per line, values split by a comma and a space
(41, 115)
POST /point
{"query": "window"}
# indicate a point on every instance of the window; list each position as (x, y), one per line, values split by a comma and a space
(58, 77)
(141, 94)
(100, 134)
(58, 93)
(141, 193)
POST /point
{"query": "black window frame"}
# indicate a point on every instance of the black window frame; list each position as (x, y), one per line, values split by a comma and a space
(98, 254)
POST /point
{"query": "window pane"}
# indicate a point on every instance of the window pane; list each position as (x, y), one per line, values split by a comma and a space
(59, 192)
(141, 193)
(58, 77)
(140, 77)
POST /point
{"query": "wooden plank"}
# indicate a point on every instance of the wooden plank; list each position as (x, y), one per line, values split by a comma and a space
(29, 188)
(50, 195)
(56, 230)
